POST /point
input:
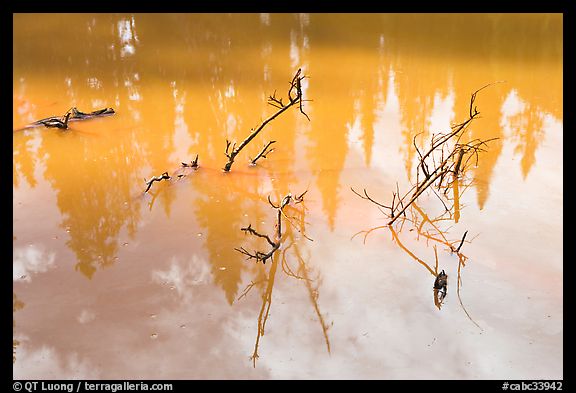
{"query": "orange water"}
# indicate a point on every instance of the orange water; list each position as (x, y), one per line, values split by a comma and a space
(110, 282)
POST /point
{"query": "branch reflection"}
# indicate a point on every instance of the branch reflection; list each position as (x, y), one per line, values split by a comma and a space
(289, 242)
(440, 170)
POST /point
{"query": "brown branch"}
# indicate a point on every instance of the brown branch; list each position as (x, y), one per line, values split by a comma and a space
(163, 176)
(294, 85)
(250, 230)
(193, 164)
(57, 123)
(416, 195)
(461, 242)
(264, 256)
(263, 153)
(258, 255)
(299, 88)
(368, 198)
(300, 198)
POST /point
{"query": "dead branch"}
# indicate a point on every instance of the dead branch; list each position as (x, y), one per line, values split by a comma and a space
(451, 161)
(57, 123)
(163, 176)
(263, 153)
(461, 242)
(250, 230)
(416, 194)
(258, 255)
(285, 202)
(73, 115)
(300, 198)
(295, 98)
(368, 198)
(303, 271)
(275, 244)
(193, 164)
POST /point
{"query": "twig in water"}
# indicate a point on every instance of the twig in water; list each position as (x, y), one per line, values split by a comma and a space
(193, 164)
(295, 88)
(57, 123)
(461, 242)
(163, 176)
(263, 153)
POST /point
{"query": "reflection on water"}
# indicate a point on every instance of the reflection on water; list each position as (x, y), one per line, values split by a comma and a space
(182, 85)
(16, 305)
(92, 196)
(284, 241)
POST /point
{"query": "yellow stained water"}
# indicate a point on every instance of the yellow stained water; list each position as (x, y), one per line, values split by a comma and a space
(110, 282)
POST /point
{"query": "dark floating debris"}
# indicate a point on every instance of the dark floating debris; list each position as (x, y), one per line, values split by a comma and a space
(73, 114)
(440, 288)
(163, 176)
(193, 164)
(57, 122)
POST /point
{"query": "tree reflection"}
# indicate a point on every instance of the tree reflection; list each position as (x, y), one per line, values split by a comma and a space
(533, 53)
(16, 305)
(327, 150)
(93, 194)
(221, 210)
(23, 159)
(528, 134)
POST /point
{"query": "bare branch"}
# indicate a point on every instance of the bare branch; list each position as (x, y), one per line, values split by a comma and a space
(295, 85)
(300, 198)
(193, 164)
(263, 153)
(163, 176)
(461, 242)
(367, 197)
(250, 230)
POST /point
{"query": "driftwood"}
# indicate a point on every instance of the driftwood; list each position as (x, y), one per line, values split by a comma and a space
(73, 114)
(57, 122)
(177, 173)
(149, 183)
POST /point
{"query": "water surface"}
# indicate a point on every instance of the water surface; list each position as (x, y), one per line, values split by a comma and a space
(110, 282)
